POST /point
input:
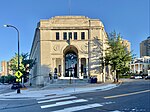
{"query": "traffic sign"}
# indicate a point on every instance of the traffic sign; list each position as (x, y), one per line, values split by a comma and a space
(18, 80)
(18, 74)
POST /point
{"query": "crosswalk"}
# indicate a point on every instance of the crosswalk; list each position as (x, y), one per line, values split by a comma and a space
(66, 103)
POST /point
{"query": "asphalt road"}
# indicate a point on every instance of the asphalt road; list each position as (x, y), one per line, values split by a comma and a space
(131, 96)
(5, 88)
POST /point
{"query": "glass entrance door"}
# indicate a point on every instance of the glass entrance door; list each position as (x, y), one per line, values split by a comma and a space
(70, 64)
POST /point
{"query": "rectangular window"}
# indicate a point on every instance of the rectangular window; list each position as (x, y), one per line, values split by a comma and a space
(65, 35)
(82, 35)
(75, 35)
(57, 35)
(70, 35)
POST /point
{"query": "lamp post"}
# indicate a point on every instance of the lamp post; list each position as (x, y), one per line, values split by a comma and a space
(18, 90)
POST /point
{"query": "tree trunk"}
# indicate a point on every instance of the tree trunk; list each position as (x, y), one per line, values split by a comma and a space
(117, 76)
(114, 75)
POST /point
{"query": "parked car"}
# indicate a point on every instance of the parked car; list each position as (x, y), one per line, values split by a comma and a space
(138, 77)
(16, 86)
(147, 77)
(132, 77)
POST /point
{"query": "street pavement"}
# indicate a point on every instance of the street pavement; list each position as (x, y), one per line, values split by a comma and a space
(130, 96)
(5, 88)
(50, 90)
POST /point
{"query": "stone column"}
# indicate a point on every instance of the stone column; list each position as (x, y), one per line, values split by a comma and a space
(62, 67)
(134, 68)
(139, 68)
(130, 67)
(80, 68)
(87, 69)
(54, 64)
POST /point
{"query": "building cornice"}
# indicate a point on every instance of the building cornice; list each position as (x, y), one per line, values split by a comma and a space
(69, 28)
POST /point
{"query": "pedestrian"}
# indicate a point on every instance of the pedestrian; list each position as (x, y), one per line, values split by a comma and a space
(50, 76)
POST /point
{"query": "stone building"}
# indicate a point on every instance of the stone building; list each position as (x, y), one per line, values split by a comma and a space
(70, 46)
(5, 68)
(145, 47)
(140, 65)
(127, 44)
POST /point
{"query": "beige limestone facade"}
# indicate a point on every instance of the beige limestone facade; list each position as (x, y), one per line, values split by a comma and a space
(127, 44)
(69, 46)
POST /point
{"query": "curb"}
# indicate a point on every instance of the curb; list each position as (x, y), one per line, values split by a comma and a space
(119, 83)
(26, 97)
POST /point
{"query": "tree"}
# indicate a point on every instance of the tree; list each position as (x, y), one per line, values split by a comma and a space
(25, 64)
(117, 55)
(14, 63)
(28, 64)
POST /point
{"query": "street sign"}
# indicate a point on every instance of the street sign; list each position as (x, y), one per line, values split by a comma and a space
(18, 74)
(18, 80)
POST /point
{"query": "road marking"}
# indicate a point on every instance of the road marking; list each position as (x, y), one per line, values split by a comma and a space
(115, 111)
(115, 96)
(64, 103)
(52, 97)
(58, 99)
(6, 99)
(78, 108)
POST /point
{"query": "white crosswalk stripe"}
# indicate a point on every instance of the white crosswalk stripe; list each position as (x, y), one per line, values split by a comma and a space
(77, 108)
(49, 97)
(58, 99)
(65, 100)
(63, 103)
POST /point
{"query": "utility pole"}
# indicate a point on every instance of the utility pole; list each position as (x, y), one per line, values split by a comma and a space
(18, 90)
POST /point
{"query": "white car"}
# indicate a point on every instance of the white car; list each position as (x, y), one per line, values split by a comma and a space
(138, 77)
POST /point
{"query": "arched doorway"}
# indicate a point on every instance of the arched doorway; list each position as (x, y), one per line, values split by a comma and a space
(71, 61)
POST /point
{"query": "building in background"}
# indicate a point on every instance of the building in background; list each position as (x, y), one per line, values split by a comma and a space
(10, 72)
(5, 69)
(145, 47)
(127, 44)
(65, 44)
(140, 65)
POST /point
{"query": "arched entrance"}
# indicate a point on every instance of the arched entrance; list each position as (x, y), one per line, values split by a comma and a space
(71, 61)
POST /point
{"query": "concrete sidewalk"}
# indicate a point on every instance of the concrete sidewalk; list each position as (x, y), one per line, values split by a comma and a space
(48, 91)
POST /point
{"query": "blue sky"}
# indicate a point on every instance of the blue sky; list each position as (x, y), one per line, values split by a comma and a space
(128, 17)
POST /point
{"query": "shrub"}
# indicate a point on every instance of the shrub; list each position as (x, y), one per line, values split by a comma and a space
(7, 79)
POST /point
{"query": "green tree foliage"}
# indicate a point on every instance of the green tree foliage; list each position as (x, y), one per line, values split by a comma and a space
(2, 79)
(117, 55)
(7, 79)
(25, 64)
(14, 63)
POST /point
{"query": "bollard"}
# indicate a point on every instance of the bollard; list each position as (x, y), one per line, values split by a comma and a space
(18, 90)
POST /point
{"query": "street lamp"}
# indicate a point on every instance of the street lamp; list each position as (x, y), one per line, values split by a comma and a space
(18, 90)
